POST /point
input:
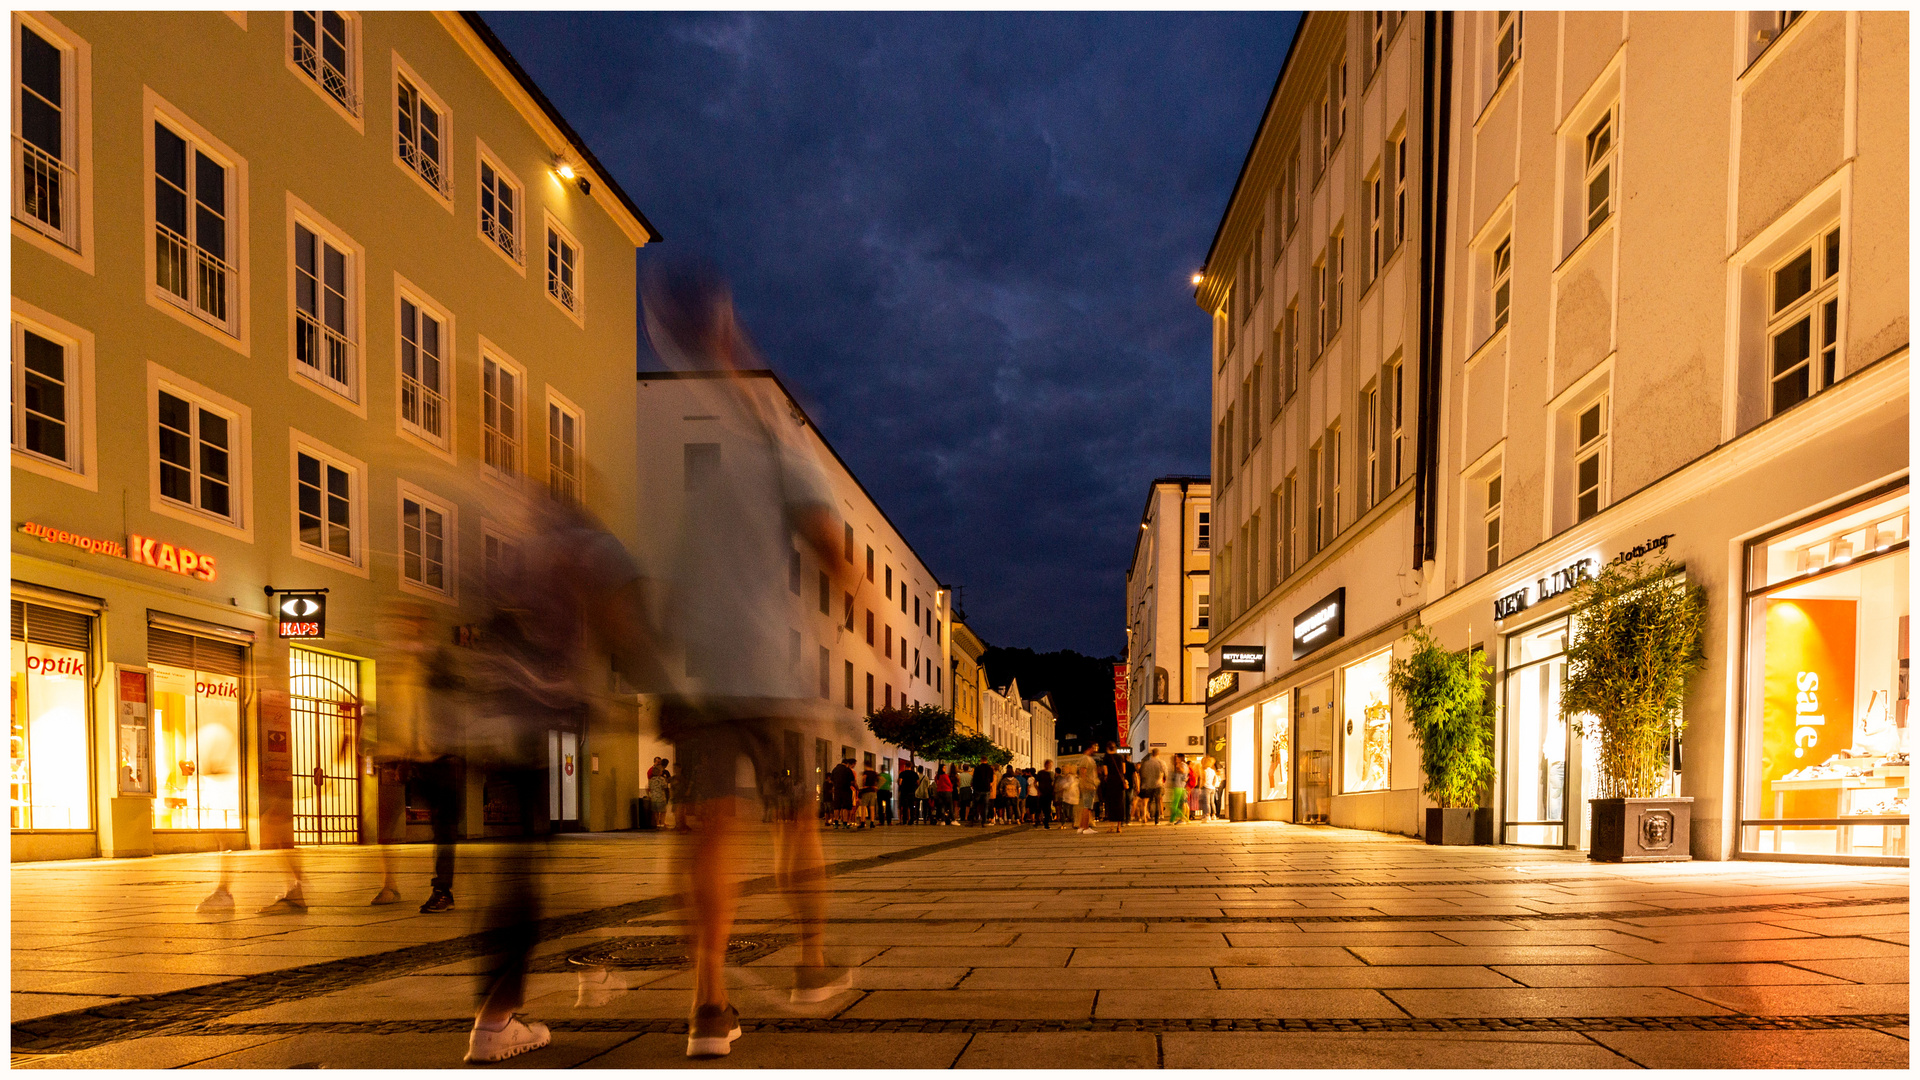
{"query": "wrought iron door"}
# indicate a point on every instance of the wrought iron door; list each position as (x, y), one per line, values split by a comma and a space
(324, 693)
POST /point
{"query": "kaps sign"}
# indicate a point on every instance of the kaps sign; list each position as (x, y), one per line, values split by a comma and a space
(303, 615)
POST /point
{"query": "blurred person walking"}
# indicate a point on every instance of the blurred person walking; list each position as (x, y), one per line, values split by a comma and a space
(1042, 795)
(943, 796)
(910, 796)
(886, 797)
(1153, 773)
(749, 491)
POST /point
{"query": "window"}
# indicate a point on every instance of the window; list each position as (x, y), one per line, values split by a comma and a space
(1257, 385)
(1321, 287)
(500, 209)
(1289, 523)
(1276, 528)
(1340, 100)
(1292, 353)
(323, 327)
(45, 395)
(324, 506)
(1589, 461)
(420, 134)
(1379, 43)
(1255, 266)
(1366, 490)
(423, 342)
(1803, 322)
(1326, 134)
(869, 627)
(1293, 189)
(846, 609)
(889, 582)
(1506, 47)
(1332, 525)
(826, 590)
(1766, 27)
(563, 268)
(500, 416)
(1246, 418)
(793, 571)
(1203, 531)
(826, 674)
(196, 455)
(1233, 324)
(323, 49)
(847, 668)
(869, 691)
(869, 564)
(191, 212)
(1252, 560)
(1203, 609)
(500, 557)
(45, 135)
(1599, 172)
(1392, 383)
(1502, 282)
(1376, 225)
(1492, 519)
(425, 540)
(1337, 281)
(1316, 499)
(1397, 152)
(849, 545)
(563, 451)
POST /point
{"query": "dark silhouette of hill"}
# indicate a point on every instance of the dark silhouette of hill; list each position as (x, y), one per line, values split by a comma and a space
(1080, 686)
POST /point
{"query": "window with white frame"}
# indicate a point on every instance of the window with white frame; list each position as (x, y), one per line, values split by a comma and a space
(500, 396)
(325, 50)
(47, 397)
(500, 557)
(1378, 41)
(500, 209)
(426, 531)
(1292, 202)
(1226, 312)
(1203, 530)
(1367, 489)
(1256, 278)
(197, 447)
(1247, 410)
(1506, 44)
(1765, 27)
(1316, 499)
(1322, 288)
(192, 206)
(1275, 527)
(325, 505)
(1292, 333)
(423, 391)
(1491, 518)
(563, 452)
(1502, 281)
(563, 268)
(1289, 523)
(1331, 527)
(325, 331)
(45, 137)
(1393, 385)
(1336, 280)
(1803, 321)
(1397, 151)
(1203, 611)
(1326, 135)
(1590, 460)
(1340, 100)
(420, 129)
(1376, 223)
(1599, 171)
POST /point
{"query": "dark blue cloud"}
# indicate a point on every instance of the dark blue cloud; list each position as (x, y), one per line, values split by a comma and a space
(964, 240)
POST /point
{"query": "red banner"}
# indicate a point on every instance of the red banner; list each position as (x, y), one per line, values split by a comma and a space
(1120, 703)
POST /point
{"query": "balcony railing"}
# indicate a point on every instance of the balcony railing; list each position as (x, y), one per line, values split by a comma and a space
(43, 192)
(196, 277)
(562, 290)
(421, 406)
(501, 234)
(324, 351)
(331, 79)
(426, 165)
(502, 453)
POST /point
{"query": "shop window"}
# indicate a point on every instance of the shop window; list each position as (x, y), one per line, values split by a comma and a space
(49, 783)
(1543, 756)
(1366, 725)
(197, 702)
(1827, 736)
(1275, 760)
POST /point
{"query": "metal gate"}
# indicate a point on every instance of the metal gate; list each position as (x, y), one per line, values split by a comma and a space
(324, 693)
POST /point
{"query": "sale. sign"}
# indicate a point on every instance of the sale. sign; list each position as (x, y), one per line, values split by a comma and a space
(1120, 703)
(1808, 691)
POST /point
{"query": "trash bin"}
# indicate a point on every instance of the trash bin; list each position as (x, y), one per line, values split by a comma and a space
(643, 813)
(1236, 806)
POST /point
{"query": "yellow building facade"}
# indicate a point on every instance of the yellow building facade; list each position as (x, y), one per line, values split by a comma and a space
(300, 301)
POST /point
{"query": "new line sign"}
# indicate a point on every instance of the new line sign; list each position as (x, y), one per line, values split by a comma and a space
(1323, 622)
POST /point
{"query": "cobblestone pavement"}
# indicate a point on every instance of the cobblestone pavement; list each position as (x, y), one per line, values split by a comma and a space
(1198, 946)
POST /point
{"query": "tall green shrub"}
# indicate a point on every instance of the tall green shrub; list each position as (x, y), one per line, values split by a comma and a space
(914, 728)
(1446, 696)
(1639, 633)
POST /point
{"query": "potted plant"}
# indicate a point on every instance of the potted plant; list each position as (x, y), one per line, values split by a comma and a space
(1446, 694)
(1639, 632)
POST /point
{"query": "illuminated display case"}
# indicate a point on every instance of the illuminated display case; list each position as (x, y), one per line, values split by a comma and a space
(49, 782)
(1826, 740)
(1366, 725)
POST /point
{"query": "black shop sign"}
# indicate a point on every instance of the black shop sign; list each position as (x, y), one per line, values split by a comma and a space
(1323, 622)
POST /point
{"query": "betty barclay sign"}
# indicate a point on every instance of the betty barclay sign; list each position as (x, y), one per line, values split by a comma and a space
(1243, 658)
(1323, 622)
(145, 550)
(1567, 577)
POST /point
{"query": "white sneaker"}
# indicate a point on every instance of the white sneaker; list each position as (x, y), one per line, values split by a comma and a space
(517, 1037)
(712, 1030)
(813, 985)
(218, 900)
(597, 987)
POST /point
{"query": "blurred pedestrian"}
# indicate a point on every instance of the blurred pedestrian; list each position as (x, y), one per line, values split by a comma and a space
(869, 797)
(1042, 795)
(982, 785)
(943, 796)
(886, 797)
(844, 784)
(1153, 774)
(1113, 785)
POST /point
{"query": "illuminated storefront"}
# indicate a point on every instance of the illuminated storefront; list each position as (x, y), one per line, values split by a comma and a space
(49, 781)
(1545, 775)
(198, 704)
(1366, 744)
(1826, 743)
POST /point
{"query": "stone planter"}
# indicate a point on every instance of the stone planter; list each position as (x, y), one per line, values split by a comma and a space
(1642, 830)
(1452, 827)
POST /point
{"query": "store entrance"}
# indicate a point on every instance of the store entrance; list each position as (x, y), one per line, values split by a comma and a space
(1313, 739)
(324, 692)
(1548, 783)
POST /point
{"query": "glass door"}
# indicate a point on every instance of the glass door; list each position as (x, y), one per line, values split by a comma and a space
(1539, 746)
(1314, 762)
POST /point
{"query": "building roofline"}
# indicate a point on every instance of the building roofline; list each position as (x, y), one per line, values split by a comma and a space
(1246, 164)
(1185, 483)
(500, 52)
(770, 374)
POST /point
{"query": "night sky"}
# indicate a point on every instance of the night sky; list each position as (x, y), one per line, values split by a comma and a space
(963, 240)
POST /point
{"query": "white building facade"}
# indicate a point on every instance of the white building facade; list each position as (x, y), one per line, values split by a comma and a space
(1168, 608)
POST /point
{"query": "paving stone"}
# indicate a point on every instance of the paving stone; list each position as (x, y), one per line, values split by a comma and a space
(1728, 952)
(1808, 1000)
(1576, 1001)
(1498, 939)
(1512, 954)
(1305, 956)
(1261, 937)
(1092, 978)
(1379, 978)
(1243, 1004)
(1878, 969)
(1841, 1049)
(1845, 926)
(1664, 975)
(128, 984)
(334, 1050)
(1695, 932)
(1028, 1051)
(32, 1006)
(911, 956)
(1384, 1050)
(974, 1005)
(160, 1052)
(1176, 939)
(781, 1050)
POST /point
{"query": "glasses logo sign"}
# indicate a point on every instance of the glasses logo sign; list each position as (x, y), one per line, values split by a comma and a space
(302, 615)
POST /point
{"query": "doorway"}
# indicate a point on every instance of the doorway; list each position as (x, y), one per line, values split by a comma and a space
(1313, 742)
(324, 694)
(1548, 782)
